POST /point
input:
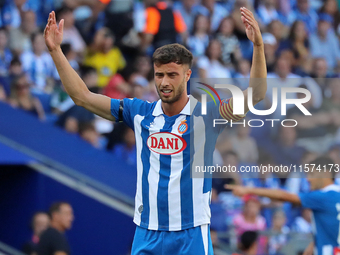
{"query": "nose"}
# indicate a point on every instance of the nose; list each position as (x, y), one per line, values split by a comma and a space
(165, 81)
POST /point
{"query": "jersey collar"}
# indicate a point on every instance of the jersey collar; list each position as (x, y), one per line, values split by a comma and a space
(187, 110)
(331, 187)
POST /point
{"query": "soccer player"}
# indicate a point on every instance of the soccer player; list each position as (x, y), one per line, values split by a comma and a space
(172, 210)
(323, 200)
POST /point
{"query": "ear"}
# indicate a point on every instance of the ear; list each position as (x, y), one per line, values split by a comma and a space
(188, 75)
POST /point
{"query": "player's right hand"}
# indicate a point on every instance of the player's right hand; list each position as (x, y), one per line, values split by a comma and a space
(53, 34)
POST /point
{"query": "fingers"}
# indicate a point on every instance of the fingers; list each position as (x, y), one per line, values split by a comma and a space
(230, 186)
(53, 17)
(249, 17)
(61, 26)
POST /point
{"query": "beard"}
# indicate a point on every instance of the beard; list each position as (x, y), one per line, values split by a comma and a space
(177, 94)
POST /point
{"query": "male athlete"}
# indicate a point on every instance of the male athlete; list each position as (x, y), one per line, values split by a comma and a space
(172, 210)
(323, 200)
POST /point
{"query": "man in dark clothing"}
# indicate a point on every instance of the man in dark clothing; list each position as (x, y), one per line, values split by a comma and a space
(163, 24)
(53, 240)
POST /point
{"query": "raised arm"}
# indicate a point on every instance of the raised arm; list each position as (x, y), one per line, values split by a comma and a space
(74, 85)
(258, 72)
(275, 194)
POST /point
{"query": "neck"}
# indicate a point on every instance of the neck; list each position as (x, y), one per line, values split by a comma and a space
(57, 226)
(327, 182)
(171, 109)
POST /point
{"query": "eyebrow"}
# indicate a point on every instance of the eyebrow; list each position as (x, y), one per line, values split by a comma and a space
(170, 73)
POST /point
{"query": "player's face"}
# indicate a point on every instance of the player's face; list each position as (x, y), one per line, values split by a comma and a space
(66, 216)
(171, 80)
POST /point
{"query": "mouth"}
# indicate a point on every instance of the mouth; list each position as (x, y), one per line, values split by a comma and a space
(166, 92)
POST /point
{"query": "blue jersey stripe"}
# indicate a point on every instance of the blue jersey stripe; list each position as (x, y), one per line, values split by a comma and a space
(186, 180)
(146, 169)
(164, 178)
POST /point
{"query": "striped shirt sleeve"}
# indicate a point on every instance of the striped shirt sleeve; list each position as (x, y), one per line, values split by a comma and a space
(226, 111)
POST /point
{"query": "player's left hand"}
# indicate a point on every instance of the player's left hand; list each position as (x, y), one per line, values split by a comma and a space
(238, 190)
(252, 27)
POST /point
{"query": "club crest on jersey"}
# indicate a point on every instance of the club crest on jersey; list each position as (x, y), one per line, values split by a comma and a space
(166, 143)
(183, 127)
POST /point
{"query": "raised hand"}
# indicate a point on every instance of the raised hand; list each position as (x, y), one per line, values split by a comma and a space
(252, 27)
(53, 34)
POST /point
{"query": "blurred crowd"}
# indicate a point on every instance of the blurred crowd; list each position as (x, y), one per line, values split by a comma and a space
(110, 44)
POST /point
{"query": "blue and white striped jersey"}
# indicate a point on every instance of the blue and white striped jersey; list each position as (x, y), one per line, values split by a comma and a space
(167, 198)
(325, 205)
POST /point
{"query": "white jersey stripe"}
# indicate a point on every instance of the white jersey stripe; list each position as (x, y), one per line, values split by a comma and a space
(153, 177)
(204, 231)
(174, 188)
(198, 160)
(139, 144)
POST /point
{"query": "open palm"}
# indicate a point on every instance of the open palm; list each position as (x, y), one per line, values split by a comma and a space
(252, 28)
(53, 34)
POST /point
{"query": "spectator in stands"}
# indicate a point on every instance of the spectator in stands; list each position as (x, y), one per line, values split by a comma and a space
(22, 98)
(278, 30)
(287, 151)
(267, 12)
(20, 38)
(118, 86)
(331, 8)
(106, 58)
(324, 43)
(15, 70)
(163, 24)
(53, 240)
(215, 11)
(71, 34)
(38, 64)
(211, 65)
(5, 53)
(298, 43)
(243, 73)
(251, 220)
(231, 52)
(247, 244)
(127, 150)
(88, 132)
(321, 76)
(244, 145)
(279, 233)
(246, 47)
(270, 47)
(199, 40)
(40, 222)
(11, 13)
(70, 119)
(304, 12)
(187, 9)
(303, 223)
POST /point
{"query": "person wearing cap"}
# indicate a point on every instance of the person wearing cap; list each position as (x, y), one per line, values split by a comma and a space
(270, 46)
(324, 43)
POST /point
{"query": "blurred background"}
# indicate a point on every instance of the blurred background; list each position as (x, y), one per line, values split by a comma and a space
(52, 150)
